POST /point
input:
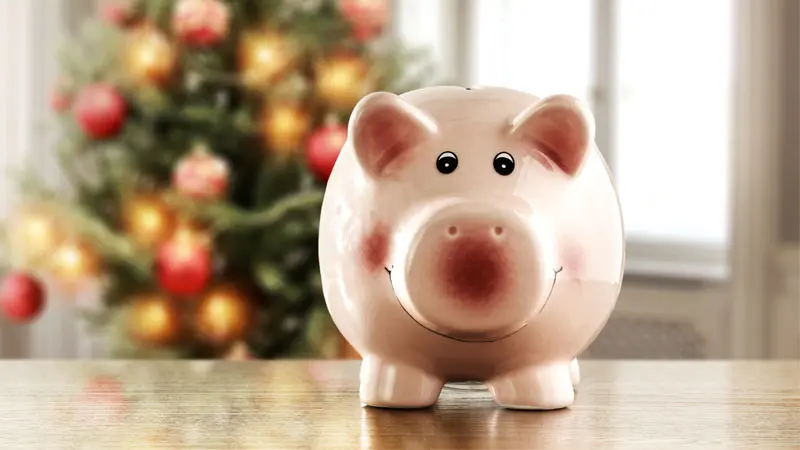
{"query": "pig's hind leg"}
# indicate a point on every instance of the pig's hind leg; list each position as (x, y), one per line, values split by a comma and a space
(538, 387)
(389, 385)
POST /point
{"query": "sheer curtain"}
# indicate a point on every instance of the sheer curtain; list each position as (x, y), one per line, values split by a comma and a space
(30, 34)
(658, 75)
(18, 113)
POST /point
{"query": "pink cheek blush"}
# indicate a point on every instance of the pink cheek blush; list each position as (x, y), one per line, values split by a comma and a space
(375, 248)
(572, 259)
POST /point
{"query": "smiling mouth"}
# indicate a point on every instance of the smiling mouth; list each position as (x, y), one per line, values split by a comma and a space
(550, 294)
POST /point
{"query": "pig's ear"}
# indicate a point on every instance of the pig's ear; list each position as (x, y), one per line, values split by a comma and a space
(385, 130)
(560, 127)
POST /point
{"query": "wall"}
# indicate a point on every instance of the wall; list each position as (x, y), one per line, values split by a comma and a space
(790, 161)
(784, 307)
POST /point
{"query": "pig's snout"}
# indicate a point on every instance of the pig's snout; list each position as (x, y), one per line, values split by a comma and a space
(474, 267)
(471, 271)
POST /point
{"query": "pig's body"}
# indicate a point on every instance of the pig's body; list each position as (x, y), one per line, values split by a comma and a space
(373, 233)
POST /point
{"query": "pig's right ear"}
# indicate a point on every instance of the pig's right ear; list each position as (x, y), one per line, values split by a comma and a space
(385, 130)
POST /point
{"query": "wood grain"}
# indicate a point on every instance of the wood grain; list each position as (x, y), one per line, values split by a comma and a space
(314, 405)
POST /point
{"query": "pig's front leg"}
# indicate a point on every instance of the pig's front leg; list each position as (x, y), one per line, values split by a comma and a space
(575, 373)
(389, 385)
(535, 387)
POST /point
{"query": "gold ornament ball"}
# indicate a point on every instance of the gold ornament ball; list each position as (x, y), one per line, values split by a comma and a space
(342, 80)
(153, 320)
(35, 234)
(264, 55)
(193, 231)
(223, 315)
(148, 220)
(74, 262)
(284, 127)
(150, 58)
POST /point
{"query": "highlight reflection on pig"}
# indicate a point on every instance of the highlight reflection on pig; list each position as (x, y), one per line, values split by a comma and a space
(470, 234)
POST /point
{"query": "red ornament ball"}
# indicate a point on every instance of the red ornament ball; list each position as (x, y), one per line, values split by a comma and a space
(117, 13)
(324, 146)
(100, 110)
(201, 22)
(184, 265)
(60, 99)
(201, 175)
(21, 297)
(367, 17)
(365, 33)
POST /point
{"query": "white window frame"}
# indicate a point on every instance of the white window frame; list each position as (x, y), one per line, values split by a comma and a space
(736, 276)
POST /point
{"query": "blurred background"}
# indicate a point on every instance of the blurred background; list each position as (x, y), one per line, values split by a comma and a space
(166, 161)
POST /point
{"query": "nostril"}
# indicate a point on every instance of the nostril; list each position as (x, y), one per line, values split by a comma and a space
(452, 230)
(498, 231)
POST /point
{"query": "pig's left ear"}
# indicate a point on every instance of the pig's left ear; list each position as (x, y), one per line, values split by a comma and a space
(560, 127)
(385, 130)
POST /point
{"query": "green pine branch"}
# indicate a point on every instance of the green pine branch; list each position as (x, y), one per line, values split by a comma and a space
(86, 225)
(108, 243)
(226, 217)
(104, 240)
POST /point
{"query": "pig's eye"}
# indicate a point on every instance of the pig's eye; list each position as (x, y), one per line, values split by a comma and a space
(447, 162)
(504, 163)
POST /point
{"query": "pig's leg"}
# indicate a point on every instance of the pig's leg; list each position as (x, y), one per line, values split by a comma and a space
(575, 373)
(389, 385)
(535, 387)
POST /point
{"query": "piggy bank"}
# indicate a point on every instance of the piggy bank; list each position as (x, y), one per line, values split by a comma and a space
(470, 235)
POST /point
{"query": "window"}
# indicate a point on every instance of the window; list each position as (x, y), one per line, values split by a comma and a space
(525, 44)
(672, 123)
(658, 76)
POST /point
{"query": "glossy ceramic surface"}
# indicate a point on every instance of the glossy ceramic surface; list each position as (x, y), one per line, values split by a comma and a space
(470, 235)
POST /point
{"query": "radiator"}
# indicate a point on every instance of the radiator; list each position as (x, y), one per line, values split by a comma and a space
(660, 321)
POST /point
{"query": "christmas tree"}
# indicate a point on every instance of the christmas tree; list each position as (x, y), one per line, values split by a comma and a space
(196, 137)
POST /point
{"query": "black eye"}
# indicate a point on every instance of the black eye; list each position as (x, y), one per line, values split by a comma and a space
(447, 162)
(504, 164)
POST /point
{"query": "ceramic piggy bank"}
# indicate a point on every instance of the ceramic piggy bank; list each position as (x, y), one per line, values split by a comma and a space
(470, 235)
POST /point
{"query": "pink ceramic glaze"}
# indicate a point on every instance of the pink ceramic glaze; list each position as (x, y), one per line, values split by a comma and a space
(470, 235)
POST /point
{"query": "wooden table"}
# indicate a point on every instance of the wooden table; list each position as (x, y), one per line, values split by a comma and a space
(288, 405)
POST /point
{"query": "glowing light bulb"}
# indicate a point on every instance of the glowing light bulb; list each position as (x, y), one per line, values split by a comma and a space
(150, 56)
(74, 261)
(223, 315)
